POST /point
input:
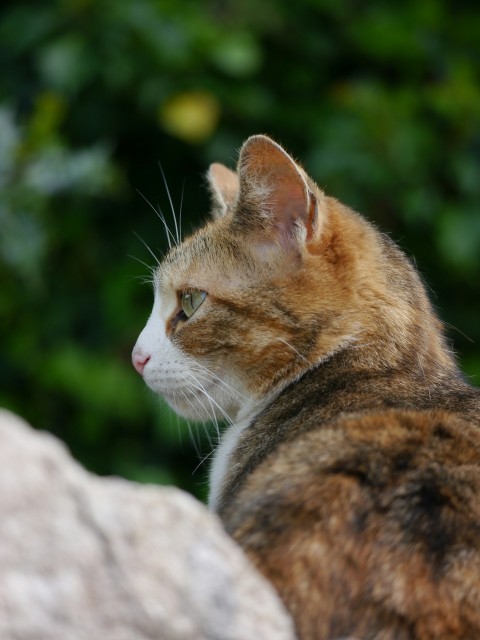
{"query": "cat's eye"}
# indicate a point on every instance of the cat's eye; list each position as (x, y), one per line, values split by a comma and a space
(191, 300)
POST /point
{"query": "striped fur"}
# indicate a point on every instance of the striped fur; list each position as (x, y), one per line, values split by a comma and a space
(350, 472)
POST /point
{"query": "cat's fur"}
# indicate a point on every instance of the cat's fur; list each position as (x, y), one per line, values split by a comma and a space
(351, 472)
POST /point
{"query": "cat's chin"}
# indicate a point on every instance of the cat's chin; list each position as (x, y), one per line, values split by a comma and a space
(191, 407)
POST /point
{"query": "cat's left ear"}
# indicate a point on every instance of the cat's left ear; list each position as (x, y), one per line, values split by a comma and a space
(224, 187)
(277, 200)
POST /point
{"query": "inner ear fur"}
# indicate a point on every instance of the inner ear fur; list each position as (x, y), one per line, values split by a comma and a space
(274, 192)
(224, 187)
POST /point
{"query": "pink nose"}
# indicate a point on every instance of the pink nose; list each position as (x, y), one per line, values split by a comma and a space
(139, 360)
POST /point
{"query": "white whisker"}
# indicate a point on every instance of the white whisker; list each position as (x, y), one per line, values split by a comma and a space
(170, 235)
(171, 205)
(215, 378)
(152, 253)
(210, 412)
(198, 385)
(141, 262)
(149, 280)
(193, 440)
(189, 426)
(202, 461)
(180, 210)
(294, 350)
(142, 279)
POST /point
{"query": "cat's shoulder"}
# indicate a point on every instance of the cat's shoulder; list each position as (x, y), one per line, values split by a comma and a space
(375, 518)
(424, 460)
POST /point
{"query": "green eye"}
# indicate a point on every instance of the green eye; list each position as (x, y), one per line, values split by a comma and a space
(191, 300)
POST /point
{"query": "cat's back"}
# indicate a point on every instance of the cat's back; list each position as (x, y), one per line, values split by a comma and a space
(375, 519)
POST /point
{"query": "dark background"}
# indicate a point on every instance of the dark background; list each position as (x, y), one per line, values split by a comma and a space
(379, 100)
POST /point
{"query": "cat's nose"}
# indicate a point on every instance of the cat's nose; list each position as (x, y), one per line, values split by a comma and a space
(139, 360)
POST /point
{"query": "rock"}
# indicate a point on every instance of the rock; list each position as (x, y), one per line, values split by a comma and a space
(83, 557)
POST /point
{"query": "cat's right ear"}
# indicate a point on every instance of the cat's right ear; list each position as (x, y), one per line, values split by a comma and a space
(224, 185)
(278, 204)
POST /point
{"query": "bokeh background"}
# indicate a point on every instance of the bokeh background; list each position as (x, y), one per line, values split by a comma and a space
(380, 100)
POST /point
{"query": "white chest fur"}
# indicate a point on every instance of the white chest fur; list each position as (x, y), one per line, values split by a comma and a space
(221, 463)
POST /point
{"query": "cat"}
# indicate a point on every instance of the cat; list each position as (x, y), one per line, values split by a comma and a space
(350, 469)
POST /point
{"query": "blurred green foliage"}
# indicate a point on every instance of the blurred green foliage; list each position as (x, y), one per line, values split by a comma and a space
(380, 100)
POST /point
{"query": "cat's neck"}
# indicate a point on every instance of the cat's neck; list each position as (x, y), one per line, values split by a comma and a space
(332, 388)
(221, 463)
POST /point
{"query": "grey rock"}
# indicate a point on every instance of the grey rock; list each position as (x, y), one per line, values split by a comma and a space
(83, 557)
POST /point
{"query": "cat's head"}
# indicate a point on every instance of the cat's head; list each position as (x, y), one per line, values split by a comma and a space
(281, 278)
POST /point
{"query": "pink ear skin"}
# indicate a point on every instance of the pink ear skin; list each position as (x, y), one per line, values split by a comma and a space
(224, 186)
(273, 185)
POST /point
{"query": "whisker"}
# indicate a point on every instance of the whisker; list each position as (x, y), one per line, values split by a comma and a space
(215, 378)
(210, 413)
(212, 419)
(149, 267)
(170, 236)
(171, 416)
(189, 426)
(148, 248)
(180, 210)
(142, 280)
(198, 385)
(193, 440)
(209, 397)
(171, 204)
(202, 461)
(212, 378)
(294, 350)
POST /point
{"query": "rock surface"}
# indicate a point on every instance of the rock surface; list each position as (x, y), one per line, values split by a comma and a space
(83, 557)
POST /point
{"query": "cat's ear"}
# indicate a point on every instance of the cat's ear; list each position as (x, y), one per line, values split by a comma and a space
(224, 186)
(275, 199)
